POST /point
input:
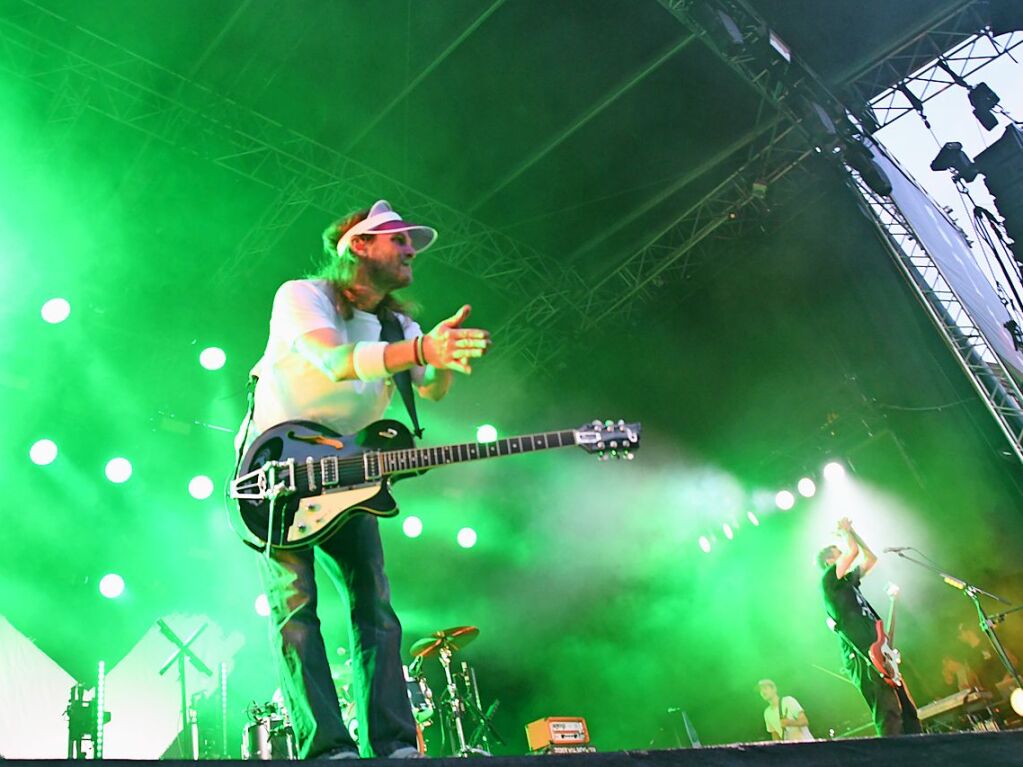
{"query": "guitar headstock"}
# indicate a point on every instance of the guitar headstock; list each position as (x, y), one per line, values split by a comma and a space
(609, 439)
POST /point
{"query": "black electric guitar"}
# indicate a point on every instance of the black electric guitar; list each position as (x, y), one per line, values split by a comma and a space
(300, 481)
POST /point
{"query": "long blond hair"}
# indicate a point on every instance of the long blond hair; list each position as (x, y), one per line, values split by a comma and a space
(340, 270)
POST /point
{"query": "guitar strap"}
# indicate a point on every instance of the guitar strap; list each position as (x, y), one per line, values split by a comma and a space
(390, 331)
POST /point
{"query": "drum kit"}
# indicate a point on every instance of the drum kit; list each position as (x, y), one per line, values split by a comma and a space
(464, 727)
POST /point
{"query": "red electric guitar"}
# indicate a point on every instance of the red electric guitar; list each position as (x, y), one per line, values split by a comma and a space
(882, 652)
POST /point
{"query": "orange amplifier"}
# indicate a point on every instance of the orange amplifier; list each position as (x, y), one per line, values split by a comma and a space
(554, 731)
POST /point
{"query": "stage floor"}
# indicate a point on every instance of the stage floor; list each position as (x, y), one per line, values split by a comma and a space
(999, 749)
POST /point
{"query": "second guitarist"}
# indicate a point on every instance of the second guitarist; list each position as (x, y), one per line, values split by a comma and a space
(856, 624)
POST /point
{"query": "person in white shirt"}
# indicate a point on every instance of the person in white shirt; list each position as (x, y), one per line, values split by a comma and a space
(326, 361)
(783, 717)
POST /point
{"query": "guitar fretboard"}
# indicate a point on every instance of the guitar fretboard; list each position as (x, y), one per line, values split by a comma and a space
(414, 459)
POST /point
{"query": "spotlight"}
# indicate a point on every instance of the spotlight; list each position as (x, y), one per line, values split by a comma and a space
(806, 487)
(200, 487)
(118, 470)
(412, 527)
(56, 310)
(43, 452)
(212, 358)
(834, 471)
(952, 157)
(1016, 701)
(752, 519)
(262, 605)
(729, 533)
(705, 544)
(466, 537)
(784, 500)
(983, 100)
(486, 433)
(111, 586)
(859, 158)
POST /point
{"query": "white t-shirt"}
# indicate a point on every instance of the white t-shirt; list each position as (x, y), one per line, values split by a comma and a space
(290, 387)
(789, 709)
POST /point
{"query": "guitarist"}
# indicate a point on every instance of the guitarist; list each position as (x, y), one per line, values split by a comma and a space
(336, 342)
(855, 620)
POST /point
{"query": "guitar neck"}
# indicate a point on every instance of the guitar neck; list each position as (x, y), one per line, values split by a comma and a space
(419, 458)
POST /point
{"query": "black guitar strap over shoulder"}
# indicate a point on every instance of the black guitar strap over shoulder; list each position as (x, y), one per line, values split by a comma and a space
(390, 331)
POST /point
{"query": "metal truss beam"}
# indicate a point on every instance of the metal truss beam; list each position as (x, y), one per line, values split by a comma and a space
(913, 92)
(95, 74)
(989, 376)
(908, 79)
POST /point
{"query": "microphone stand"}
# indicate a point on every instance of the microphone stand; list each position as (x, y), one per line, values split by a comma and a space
(987, 622)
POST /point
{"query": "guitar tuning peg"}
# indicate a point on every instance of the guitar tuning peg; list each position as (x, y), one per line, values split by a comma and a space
(621, 422)
(630, 456)
(597, 423)
(609, 422)
(614, 443)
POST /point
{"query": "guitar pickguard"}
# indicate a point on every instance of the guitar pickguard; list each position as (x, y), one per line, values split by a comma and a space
(315, 513)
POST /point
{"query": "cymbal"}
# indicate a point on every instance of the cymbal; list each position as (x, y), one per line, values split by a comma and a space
(453, 639)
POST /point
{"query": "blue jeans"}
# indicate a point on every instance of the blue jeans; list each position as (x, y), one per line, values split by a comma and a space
(354, 560)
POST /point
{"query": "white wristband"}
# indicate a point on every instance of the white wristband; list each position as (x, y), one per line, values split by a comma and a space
(368, 360)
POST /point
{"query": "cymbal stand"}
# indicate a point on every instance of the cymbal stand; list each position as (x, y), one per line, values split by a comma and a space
(484, 729)
(454, 705)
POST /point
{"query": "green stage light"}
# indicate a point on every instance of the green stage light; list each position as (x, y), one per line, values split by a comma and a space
(43, 452)
(118, 470)
(200, 487)
(466, 537)
(753, 519)
(56, 310)
(486, 433)
(784, 500)
(412, 527)
(729, 533)
(212, 358)
(834, 471)
(806, 487)
(111, 585)
(262, 605)
(705, 544)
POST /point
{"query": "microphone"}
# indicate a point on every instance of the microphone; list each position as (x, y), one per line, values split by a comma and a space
(896, 549)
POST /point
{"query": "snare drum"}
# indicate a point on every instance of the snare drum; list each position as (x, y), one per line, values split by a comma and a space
(420, 697)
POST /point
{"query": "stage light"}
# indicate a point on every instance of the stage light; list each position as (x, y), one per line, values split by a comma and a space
(412, 527)
(834, 472)
(466, 537)
(727, 528)
(952, 157)
(111, 585)
(1016, 701)
(212, 358)
(56, 310)
(784, 500)
(983, 100)
(262, 605)
(43, 452)
(859, 158)
(806, 487)
(705, 544)
(486, 433)
(753, 520)
(118, 470)
(200, 487)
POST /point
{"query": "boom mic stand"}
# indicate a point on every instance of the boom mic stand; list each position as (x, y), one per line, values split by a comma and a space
(987, 622)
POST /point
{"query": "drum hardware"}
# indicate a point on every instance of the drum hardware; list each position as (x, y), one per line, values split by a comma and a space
(460, 704)
(268, 734)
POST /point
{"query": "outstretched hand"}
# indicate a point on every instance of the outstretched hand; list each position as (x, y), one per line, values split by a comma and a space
(449, 346)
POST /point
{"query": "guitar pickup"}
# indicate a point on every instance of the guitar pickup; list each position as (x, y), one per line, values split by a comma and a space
(271, 479)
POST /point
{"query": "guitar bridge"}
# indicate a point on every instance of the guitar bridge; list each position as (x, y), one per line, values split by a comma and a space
(272, 479)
